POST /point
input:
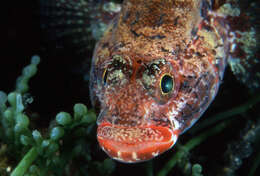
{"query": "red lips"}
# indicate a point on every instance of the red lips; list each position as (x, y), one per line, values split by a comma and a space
(128, 144)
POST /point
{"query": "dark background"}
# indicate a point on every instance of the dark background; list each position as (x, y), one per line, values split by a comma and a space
(59, 82)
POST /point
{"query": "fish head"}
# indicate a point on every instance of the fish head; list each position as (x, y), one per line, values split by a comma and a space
(152, 81)
(135, 96)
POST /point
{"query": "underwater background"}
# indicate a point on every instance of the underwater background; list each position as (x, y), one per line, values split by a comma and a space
(48, 125)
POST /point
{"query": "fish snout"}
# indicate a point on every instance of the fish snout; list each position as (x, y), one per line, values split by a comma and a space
(134, 144)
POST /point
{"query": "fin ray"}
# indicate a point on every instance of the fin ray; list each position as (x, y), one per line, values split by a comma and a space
(76, 21)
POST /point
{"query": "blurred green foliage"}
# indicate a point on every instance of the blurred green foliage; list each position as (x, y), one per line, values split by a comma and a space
(42, 152)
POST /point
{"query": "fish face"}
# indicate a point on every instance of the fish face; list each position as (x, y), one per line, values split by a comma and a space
(146, 105)
(133, 124)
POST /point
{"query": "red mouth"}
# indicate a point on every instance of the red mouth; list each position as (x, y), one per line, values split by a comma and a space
(135, 144)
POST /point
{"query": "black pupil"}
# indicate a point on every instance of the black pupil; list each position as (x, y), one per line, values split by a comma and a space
(166, 84)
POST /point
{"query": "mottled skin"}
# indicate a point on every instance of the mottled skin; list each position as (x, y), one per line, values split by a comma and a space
(147, 40)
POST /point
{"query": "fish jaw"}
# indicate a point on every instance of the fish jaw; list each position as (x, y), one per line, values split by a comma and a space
(132, 145)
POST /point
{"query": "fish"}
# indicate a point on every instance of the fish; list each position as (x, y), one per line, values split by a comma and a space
(158, 66)
(155, 72)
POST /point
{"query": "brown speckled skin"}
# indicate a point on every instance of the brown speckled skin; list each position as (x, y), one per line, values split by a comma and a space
(145, 41)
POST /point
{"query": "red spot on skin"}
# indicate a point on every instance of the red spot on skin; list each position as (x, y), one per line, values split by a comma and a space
(142, 145)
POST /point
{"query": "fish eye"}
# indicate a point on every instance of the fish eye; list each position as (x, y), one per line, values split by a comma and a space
(166, 84)
(104, 76)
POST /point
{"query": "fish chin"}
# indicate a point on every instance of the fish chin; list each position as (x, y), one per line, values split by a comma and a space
(134, 144)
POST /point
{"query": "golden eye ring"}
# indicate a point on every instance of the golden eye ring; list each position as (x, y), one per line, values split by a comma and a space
(166, 84)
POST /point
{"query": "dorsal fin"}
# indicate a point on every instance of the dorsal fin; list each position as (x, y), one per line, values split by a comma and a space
(76, 22)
